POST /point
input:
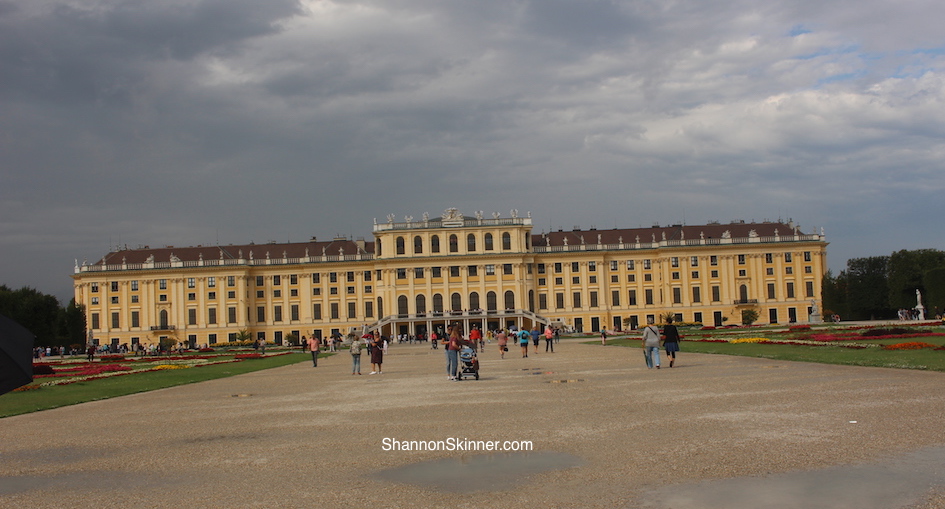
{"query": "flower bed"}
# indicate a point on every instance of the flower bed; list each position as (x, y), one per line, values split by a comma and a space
(914, 345)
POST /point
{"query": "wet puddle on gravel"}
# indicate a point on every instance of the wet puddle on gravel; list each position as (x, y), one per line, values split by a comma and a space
(484, 472)
(897, 482)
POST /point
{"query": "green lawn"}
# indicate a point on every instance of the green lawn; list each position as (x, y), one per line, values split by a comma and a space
(926, 358)
(15, 403)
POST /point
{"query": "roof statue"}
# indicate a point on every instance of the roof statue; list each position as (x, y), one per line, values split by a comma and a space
(479, 215)
(727, 234)
(452, 214)
(390, 218)
(426, 216)
(496, 215)
(514, 213)
(174, 258)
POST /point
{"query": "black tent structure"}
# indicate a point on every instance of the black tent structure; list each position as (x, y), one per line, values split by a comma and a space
(16, 355)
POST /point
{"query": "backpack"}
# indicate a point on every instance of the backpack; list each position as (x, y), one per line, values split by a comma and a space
(356, 347)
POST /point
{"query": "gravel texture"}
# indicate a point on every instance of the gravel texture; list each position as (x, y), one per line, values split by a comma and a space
(300, 436)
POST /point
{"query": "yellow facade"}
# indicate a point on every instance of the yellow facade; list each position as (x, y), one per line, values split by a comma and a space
(417, 276)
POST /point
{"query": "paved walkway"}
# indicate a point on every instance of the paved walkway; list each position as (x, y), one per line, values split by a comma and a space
(620, 435)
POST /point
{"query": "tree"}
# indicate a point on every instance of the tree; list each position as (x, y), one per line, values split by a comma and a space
(906, 269)
(749, 316)
(835, 295)
(243, 335)
(37, 312)
(934, 283)
(867, 290)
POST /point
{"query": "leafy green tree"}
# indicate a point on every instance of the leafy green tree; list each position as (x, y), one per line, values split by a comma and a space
(906, 269)
(934, 282)
(749, 316)
(835, 295)
(37, 312)
(867, 288)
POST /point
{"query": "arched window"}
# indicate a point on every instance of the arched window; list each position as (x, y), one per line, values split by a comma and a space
(163, 318)
(456, 302)
(491, 304)
(474, 301)
(417, 245)
(470, 242)
(743, 293)
(506, 241)
(437, 303)
(509, 300)
(421, 304)
(380, 306)
(487, 242)
(400, 246)
(435, 244)
(454, 244)
(531, 300)
(402, 305)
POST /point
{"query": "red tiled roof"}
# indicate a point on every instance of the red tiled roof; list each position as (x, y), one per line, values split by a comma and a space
(674, 232)
(259, 251)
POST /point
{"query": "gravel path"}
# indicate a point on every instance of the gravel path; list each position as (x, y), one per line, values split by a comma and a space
(715, 431)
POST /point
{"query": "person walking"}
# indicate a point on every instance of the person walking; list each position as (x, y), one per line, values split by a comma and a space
(475, 337)
(314, 347)
(651, 344)
(523, 337)
(454, 344)
(603, 336)
(670, 340)
(536, 337)
(549, 339)
(355, 350)
(503, 341)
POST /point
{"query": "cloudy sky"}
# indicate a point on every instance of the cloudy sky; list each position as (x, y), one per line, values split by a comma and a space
(185, 122)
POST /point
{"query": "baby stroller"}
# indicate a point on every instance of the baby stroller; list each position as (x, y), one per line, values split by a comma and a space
(469, 363)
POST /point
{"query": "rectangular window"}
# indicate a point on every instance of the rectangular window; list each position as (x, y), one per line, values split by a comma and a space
(741, 259)
(592, 279)
(675, 275)
(575, 267)
(615, 279)
(557, 268)
(809, 288)
(316, 279)
(231, 315)
(352, 310)
(350, 276)
(677, 295)
(191, 283)
(632, 298)
(134, 286)
(647, 264)
(593, 299)
(95, 324)
(788, 258)
(648, 277)
(769, 271)
(334, 311)
(135, 319)
(696, 294)
(693, 261)
(716, 294)
(771, 293)
(230, 280)
(191, 296)
(713, 260)
(576, 280)
(542, 301)
(192, 316)
(277, 280)
(769, 257)
(417, 274)
(630, 265)
(259, 281)
(559, 280)
(592, 266)
(334, 290)
(294, 292)
(631, 278)
(294, 310)
(697, 317)
(454, 271)
(559, 303)
(742, 272)
(115, 299)
(316, 311)
(506, 268)
(807, 256)
(368, 309)
(212, 296)
(614, 265)
(648, 296)
(114, 286)
(261, 314)
(332, 277)
(790, 290)
(95, 287)
(401, 273)
(260, 294)
(115, 320)
(674, 261)
(789, 270)
(350, 290)
(542, 281)
(162, 284)
(294, 279)
(277, 293)
(368, 289)
(212, 316)
(576, 299)
(162, 297)
(367, 275)
(541, 268)
(134, 299)
(472, 270)
(277, 313)
(437, 271)
(714, 273)
(615, 298)
(212, 339)
(316, 291)
(695, 274)
(490, 270)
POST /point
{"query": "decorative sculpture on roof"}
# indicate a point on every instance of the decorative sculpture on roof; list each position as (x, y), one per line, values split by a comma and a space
(664, 236)
(582, 240)
(150, 259)
(496, 215)
(514, 213)
(598, 238)
(566, 241)
(752, 234)
(408, 219)
(479, 215)
(726, 234)
(390, 218)
(426, 216)
(174, 258)
(452, 214)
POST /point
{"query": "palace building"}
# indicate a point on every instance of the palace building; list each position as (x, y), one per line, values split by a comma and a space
(417, 276)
